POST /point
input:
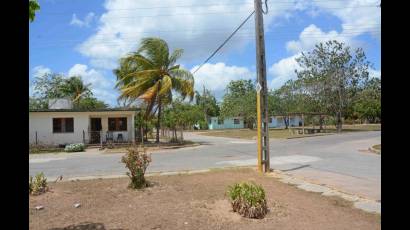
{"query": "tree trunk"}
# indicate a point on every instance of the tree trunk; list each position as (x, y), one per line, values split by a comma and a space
(321, 122)
(339, 122)
(159, 113)
(158, 121)
(286, 120)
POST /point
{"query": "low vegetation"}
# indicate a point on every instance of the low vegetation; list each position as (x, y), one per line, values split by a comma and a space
(137, 162)
(37, 149)
(78, 147)
(38, 184)
(248, 200)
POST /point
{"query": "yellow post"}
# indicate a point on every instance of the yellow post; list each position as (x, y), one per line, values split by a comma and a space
(259, 124)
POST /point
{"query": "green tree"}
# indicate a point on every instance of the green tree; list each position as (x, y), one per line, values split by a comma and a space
(181, 115)
(33, 7)
(207, 103)
(151, 74)
(368, 103)
(331, 74)
(91, 103)
(75, 88)
(51, 85)
(240, 100)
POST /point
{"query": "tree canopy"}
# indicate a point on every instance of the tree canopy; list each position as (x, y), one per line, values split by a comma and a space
(331, 75)
(52, 85)
(33, 7)
(151, 73)
(240, 100)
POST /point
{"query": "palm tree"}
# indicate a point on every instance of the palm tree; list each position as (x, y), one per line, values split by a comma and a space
(33, 7)
(152, 75)
(76, 89)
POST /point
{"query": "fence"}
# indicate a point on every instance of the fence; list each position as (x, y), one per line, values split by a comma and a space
(83, 136)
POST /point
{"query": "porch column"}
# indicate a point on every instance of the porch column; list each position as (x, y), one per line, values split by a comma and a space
(133, 128)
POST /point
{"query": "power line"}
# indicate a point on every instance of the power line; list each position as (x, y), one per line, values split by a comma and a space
(202, 13)
(243, 36)
(230, 36)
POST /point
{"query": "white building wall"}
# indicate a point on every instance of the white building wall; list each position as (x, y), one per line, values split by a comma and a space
(42, 123)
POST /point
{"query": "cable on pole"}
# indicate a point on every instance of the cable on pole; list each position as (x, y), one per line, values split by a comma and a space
(226, 40)
(266, 6)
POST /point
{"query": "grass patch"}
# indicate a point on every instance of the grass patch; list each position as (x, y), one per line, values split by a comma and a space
(378, 147)
(150, 146)
(37, 150)
(284, 133)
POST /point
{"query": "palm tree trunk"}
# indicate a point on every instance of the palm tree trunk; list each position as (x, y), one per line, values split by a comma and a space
(158, 120)
(159, 112)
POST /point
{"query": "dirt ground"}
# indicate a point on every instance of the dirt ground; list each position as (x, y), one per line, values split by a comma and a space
(195, 201)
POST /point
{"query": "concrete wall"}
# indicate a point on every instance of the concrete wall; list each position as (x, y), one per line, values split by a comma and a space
(228, 123)
(42, 124)
(278, 122)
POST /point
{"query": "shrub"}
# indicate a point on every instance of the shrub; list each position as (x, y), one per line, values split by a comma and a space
(137, 162)
(38, 184)
(79, 147)
(248, 199)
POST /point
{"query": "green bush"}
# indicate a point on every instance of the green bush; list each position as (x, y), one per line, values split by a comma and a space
(79, 147)
(137, 162)
(38, 184)
(248, 199)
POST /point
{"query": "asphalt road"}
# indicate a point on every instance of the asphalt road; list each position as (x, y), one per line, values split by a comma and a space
(339, 161)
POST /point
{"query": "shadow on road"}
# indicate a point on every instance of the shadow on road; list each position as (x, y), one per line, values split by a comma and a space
(296, 168)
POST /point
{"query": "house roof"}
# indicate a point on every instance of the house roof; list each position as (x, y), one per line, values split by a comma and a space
(84, 110)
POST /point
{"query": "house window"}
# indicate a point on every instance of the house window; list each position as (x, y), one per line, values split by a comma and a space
(270, 120)
(220, 122)
(236, 121)
(117, 124)
(63, 125)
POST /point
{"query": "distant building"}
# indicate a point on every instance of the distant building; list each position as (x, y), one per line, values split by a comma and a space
(238, 122)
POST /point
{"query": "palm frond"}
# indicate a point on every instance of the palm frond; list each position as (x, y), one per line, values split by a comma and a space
(166, 85)
(174, 56)
(156, 50)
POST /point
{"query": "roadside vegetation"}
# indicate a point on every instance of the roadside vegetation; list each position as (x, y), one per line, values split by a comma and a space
(38, 184)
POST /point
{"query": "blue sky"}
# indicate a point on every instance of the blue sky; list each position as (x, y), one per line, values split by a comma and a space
(86, 38)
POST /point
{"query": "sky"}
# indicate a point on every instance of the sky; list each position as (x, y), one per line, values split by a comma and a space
(86, 38)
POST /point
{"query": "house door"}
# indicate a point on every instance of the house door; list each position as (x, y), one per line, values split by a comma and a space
(95, 130)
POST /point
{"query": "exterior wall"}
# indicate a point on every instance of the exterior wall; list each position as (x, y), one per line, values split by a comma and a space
(127, 135)
(227, 124)
(278, 122)
(42, 124)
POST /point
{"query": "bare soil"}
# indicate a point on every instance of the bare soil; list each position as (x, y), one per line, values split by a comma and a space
(195, 201)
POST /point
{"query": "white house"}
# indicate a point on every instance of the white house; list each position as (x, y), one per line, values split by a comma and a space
(66, 126)
(239, 123)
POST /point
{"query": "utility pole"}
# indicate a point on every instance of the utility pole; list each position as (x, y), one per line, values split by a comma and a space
(262, 92)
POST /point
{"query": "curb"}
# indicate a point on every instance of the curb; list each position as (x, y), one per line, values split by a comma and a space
(301, 136)
(364, 204)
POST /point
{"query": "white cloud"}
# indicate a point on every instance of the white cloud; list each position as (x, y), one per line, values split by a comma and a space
(82, 23)
(215, 77)
(357, 16)
(283, 71)
(312, 35)
(196, 29)
(40, 70)
(102, 87)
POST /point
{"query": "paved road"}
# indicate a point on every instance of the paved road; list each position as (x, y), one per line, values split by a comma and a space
(339, 161)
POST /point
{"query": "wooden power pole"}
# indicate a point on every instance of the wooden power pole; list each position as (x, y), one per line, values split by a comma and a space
(262, 92)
